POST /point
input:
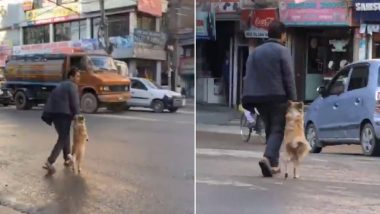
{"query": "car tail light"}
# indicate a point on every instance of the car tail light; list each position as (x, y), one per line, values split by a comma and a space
(377, 108)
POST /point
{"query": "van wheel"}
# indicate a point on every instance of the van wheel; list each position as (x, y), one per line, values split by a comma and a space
(312, 138)
(158, 106)
(89, 103)
(21, 101)
(370, 145)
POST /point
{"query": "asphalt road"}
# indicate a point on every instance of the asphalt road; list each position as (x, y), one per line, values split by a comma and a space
(339, 180)
(135, 162)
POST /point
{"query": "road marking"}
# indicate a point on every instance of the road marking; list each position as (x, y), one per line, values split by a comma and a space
(4, 126)
(318, 159)
(232, 153)
(185, 112)
(124, 117)
(229, 183)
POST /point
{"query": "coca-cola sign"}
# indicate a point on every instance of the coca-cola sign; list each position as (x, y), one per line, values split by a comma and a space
(256, 22)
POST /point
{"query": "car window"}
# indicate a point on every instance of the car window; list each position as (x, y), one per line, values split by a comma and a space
(138, 85)
(338, 84)
(359, 78)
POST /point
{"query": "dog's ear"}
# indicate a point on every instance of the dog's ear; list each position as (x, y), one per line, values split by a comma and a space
(299, 106)
(290, 103)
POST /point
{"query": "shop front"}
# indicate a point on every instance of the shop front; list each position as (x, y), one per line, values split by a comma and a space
(367, 14)
(321, 44)
(217, 35)
(254, 25)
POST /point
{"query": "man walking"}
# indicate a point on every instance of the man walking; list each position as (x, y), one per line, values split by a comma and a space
(268, 85)
(60, 109)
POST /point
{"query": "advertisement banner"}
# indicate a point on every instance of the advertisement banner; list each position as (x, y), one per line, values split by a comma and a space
(53, 14)
(258, 4)
(205, 25)
(315, 13)
(152, 7)
(256, 22)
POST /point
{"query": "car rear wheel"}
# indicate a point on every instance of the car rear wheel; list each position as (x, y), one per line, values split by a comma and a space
(158, 106)
(21, 101)
(89, 103)
(312, 138)
(173, 109)
(370, 144)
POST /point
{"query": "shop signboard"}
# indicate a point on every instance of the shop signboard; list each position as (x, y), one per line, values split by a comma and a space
(53, 14)
(152, 7)
(27, 5)
(206, 25)
(367, 10)
(315, 13)
(150, 38)
(225, 6)
(256, 22)
(186, 65)
(258, 4)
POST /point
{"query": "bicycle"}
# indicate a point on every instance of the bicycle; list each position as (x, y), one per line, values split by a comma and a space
(257, 126)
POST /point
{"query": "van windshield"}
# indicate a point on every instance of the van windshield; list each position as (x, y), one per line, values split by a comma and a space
(102, 63)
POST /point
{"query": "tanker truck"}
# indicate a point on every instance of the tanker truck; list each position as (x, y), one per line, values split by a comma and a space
(31, 78)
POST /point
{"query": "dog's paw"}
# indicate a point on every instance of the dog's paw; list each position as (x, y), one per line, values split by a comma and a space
(296, 176)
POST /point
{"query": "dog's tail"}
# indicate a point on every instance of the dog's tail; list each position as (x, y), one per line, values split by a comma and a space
(302, 147)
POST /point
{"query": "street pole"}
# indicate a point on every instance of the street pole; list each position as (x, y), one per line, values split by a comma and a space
(104, 27)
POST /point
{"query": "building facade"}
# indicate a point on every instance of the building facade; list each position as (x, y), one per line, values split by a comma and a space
(134, 28)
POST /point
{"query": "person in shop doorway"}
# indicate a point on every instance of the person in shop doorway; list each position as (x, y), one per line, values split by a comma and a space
(268, 85)
(226, 77)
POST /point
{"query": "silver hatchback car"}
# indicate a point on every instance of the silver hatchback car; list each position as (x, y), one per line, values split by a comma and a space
(347, 110)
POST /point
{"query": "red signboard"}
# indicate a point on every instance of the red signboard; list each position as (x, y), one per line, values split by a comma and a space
(258, 18)
(256, 22)
(152, 7)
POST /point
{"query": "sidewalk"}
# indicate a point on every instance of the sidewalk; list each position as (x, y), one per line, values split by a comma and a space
(219, 119)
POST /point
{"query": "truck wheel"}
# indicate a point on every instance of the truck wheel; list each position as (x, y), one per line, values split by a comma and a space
(117, 107)
(21, 101)
(89, 103)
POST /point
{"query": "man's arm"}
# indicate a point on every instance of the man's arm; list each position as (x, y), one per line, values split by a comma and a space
(288, 75)
(74, 99)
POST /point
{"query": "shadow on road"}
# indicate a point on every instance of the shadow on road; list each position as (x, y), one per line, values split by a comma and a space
(71, 192)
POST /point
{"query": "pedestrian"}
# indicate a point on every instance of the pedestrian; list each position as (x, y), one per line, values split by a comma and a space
(268, 85)
(60, 109)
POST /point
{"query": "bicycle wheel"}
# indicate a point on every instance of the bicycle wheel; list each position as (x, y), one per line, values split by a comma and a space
(244, 130)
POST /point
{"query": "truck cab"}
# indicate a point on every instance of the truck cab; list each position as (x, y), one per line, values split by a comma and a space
(32, 77)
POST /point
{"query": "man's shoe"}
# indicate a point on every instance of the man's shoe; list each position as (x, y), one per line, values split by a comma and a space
(49, 167)
(69, 162)
(266, 169)
(276, 170)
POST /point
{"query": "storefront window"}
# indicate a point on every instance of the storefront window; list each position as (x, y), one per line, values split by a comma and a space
(146, 22)
(146, 69)
(70, 31)
(118, 25)
(36, 34)
(376, 46)
(188, 51)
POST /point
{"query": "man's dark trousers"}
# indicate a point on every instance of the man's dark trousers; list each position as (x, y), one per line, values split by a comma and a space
(273, 115)
(62, 124)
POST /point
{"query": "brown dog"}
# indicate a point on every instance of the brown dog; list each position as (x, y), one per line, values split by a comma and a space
(295, 143)
(79, 141)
